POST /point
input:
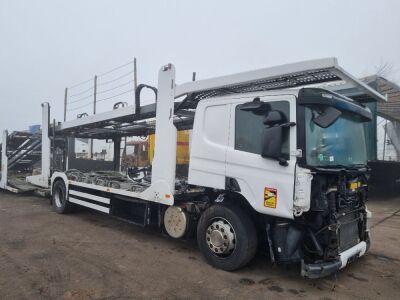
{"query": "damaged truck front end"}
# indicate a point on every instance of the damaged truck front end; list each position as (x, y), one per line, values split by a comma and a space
(337, 222)
(333, 232)
(330, 227)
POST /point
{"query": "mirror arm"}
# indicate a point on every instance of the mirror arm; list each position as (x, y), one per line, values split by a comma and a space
(288, 124)
(282, 161)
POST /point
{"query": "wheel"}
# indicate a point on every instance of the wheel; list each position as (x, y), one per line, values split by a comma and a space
(227, 237)
(59, 198)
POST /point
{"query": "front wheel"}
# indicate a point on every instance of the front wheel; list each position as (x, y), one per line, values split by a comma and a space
(227, 237)
(59, 198)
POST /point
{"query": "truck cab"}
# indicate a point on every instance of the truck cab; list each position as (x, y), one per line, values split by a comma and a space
(298, 158)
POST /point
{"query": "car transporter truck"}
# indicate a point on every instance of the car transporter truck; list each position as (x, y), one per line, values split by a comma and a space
(277, 164)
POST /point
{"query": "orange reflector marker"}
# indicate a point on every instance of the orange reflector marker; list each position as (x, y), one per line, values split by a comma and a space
(167, 196)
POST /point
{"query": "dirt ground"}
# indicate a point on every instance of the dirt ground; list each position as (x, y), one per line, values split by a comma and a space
(87, 255)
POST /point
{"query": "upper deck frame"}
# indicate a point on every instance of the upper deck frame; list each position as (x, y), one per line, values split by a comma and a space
(125, 121)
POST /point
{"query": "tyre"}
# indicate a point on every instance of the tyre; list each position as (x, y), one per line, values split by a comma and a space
(59, 198)
(227, 237)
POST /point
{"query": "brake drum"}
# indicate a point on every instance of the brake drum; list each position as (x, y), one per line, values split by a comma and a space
(175, 222)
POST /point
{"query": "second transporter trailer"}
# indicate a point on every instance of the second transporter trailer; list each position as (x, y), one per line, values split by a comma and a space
(272, 166)
(20, 154)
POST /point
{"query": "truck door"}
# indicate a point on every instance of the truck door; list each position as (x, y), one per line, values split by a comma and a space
(267, 185)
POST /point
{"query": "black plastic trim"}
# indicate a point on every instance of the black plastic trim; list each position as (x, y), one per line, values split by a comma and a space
(316, 96)
(231, 184)
(319, 270)
(301, 134)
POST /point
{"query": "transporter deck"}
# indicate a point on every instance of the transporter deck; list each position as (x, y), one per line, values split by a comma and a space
(140, 119)
(137, 180)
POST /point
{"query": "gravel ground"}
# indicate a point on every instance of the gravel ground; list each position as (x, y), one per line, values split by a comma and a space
(87, 255)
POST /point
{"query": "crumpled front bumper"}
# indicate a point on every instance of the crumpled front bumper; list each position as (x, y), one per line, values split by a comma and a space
(322, 269)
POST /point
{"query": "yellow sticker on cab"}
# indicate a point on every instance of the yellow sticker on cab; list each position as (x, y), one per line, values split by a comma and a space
(270, 197)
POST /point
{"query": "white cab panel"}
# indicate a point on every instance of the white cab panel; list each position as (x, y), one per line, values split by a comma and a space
(209, 144)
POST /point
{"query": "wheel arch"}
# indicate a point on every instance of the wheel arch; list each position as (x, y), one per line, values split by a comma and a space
(56, 177)
(236, 198)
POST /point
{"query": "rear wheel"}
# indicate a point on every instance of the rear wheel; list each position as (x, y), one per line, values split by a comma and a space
(59, 198)
(227, 237)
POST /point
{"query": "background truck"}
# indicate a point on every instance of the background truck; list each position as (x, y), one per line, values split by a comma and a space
(274, 165)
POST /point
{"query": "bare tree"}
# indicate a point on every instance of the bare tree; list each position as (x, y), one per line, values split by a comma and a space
(384, 69)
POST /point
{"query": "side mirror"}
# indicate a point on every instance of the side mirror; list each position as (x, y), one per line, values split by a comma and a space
(273, 134)
(272, 142)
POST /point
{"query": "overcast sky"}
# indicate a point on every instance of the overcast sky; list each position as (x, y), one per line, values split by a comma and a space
(46, 46)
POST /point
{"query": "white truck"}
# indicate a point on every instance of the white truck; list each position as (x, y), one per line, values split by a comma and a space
(276, 164)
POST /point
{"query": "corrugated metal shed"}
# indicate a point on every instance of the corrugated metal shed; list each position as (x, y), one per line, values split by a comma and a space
(390, 109)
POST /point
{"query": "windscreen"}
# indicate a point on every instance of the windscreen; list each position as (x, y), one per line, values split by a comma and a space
(343, 143)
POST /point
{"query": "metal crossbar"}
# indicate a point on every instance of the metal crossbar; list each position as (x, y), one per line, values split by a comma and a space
(279, 77)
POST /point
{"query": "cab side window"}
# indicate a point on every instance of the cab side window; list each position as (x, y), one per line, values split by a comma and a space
(249, 127)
